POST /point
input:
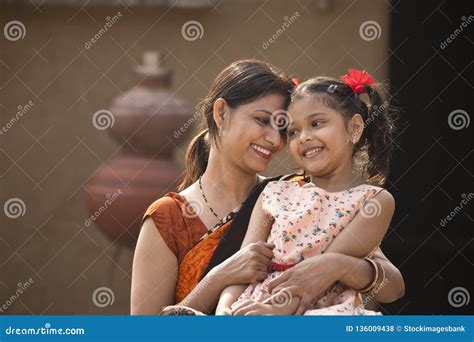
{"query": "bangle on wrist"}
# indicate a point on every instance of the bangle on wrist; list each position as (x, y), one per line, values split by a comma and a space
(372, 284)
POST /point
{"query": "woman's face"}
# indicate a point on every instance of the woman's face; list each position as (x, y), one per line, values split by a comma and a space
(249, 139)
(318, 137)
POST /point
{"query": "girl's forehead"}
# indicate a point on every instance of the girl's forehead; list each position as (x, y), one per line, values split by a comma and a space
(309, 105)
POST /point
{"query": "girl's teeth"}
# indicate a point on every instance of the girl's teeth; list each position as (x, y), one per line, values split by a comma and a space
(312, 151)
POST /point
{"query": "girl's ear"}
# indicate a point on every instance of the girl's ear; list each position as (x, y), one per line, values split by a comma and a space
(356, 127)
(220, 108)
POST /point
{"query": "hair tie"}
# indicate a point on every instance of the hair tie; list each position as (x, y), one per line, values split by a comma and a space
(358, 80)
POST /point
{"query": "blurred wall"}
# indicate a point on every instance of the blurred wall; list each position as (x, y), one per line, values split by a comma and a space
(51, 151)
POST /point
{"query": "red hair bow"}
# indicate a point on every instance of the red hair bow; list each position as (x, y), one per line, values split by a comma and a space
(357, 80)
(295, 81)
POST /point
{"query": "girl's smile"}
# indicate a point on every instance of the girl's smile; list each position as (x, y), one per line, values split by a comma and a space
(317, 135)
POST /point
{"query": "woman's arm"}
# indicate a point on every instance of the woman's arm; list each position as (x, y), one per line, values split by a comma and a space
(357, 273)
(154, 272)
(259, 228)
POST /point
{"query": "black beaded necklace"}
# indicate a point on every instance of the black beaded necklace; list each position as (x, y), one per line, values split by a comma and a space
(228, 216)
(205, 200)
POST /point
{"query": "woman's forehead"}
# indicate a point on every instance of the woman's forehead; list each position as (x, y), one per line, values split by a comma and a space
(270, 102)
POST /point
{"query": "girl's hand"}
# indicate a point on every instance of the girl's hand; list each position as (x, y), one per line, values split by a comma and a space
(248, 265)
(253, 308)
(308, 279)
(223, 311)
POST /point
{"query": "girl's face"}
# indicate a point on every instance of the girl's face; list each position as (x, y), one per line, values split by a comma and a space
(248, 138)
(318, 137)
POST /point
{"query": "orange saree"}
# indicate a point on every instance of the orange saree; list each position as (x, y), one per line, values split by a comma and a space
(183, 231)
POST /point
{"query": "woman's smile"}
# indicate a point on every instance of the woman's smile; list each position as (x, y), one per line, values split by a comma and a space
(262, 151)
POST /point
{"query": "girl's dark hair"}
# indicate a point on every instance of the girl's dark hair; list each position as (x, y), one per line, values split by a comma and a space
(240, 83)
(373, 151)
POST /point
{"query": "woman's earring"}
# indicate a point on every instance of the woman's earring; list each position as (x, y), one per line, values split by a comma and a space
(220, 131)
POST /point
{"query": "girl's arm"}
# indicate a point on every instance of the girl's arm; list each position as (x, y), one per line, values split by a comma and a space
(259, 228)
(314, 275)
(364, 234)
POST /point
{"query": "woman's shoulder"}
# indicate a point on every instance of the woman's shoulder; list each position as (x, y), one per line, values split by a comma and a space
(167, 204)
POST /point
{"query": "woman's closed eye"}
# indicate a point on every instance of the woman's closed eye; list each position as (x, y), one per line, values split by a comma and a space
(262, 121)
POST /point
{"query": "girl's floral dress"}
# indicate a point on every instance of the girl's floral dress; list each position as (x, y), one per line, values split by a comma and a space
(307, 220)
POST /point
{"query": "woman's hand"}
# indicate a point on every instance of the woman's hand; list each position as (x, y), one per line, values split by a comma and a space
(308, 279)
(248, 265)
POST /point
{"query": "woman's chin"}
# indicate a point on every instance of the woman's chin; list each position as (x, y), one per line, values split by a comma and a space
(257, 166)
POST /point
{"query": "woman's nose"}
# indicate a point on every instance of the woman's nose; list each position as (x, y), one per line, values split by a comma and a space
(273, 137)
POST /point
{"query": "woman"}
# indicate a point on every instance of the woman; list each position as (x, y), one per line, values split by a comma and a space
(188, 248)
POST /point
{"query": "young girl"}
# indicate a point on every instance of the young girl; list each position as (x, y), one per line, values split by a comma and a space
(343, 144)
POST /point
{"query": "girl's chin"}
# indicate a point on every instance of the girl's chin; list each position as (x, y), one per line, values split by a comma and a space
(313, 168)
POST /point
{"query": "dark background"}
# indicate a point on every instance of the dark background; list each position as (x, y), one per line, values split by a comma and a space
(432, 166)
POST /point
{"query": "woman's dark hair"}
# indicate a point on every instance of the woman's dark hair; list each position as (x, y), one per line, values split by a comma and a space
(240, 83)
(373, 151)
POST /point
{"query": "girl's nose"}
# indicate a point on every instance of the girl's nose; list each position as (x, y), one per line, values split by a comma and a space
(305, 136)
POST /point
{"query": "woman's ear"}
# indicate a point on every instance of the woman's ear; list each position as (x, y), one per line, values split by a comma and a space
(220, 108)
(356, 128)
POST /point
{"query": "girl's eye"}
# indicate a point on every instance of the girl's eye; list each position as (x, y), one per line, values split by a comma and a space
(316, 123)
(292, 132)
